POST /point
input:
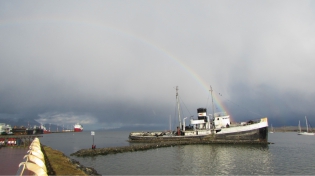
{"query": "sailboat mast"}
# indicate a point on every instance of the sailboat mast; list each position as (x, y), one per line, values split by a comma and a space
(170, 123)
(177, 100)
(212, 102)
(306, 124)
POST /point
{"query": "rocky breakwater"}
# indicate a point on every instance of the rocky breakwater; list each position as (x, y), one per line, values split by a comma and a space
(86, 170)
(57, 163)
(148, 146)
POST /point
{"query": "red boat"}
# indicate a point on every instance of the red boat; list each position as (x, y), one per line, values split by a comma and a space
(45, 131)
(78, 127)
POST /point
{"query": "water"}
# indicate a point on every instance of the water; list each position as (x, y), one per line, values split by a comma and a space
(289, 155)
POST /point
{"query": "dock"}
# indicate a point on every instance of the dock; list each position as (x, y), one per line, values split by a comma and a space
(17, 140)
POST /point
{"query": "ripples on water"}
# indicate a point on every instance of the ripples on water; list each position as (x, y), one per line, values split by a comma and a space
(187, 160)
(290, 155)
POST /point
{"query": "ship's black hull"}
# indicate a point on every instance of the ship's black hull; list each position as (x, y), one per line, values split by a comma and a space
(259, 135)
(19, 131)
(34, 131)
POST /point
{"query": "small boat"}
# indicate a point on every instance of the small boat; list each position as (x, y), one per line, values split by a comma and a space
(271, 131)
(216, 127)
(305, 132)
(78, 127)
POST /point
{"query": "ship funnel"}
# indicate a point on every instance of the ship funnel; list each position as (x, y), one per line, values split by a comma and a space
(202, 114)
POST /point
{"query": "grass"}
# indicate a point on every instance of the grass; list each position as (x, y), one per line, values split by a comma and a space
(59, 164)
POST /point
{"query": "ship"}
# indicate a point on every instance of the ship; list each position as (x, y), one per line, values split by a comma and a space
(45, 131)
(209, 128)
(19, 130)
(78, 127)
(34, 130)
(5, 129)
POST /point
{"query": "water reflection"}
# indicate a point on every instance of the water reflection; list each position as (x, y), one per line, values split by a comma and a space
(225, 159)
(276, 159)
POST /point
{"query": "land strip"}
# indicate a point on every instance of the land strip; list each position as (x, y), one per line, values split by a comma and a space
(153, 145)
(57, 163)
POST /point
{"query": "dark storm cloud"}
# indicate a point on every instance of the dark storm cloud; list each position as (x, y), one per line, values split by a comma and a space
(109, 64)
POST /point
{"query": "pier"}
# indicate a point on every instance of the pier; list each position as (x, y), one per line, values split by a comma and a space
(34, 161)
(12, 150)
(29, 157)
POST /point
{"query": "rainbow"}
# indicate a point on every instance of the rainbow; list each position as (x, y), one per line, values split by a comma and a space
(48, 20)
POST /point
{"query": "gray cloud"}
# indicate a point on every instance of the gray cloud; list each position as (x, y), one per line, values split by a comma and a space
(112, 64)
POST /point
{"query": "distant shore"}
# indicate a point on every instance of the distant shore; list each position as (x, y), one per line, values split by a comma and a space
(290, 129)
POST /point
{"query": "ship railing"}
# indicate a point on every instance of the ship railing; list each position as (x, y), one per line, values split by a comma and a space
(34, 161)
(220, 114)
(249, 122)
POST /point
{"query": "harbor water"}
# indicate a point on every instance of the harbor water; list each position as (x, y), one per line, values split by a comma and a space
(290, 154)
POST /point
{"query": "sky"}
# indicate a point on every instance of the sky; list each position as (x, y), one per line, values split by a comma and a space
(116, 63)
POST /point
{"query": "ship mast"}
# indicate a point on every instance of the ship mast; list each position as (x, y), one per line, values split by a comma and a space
(306, 124)
(177, 100)
(212, 103)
